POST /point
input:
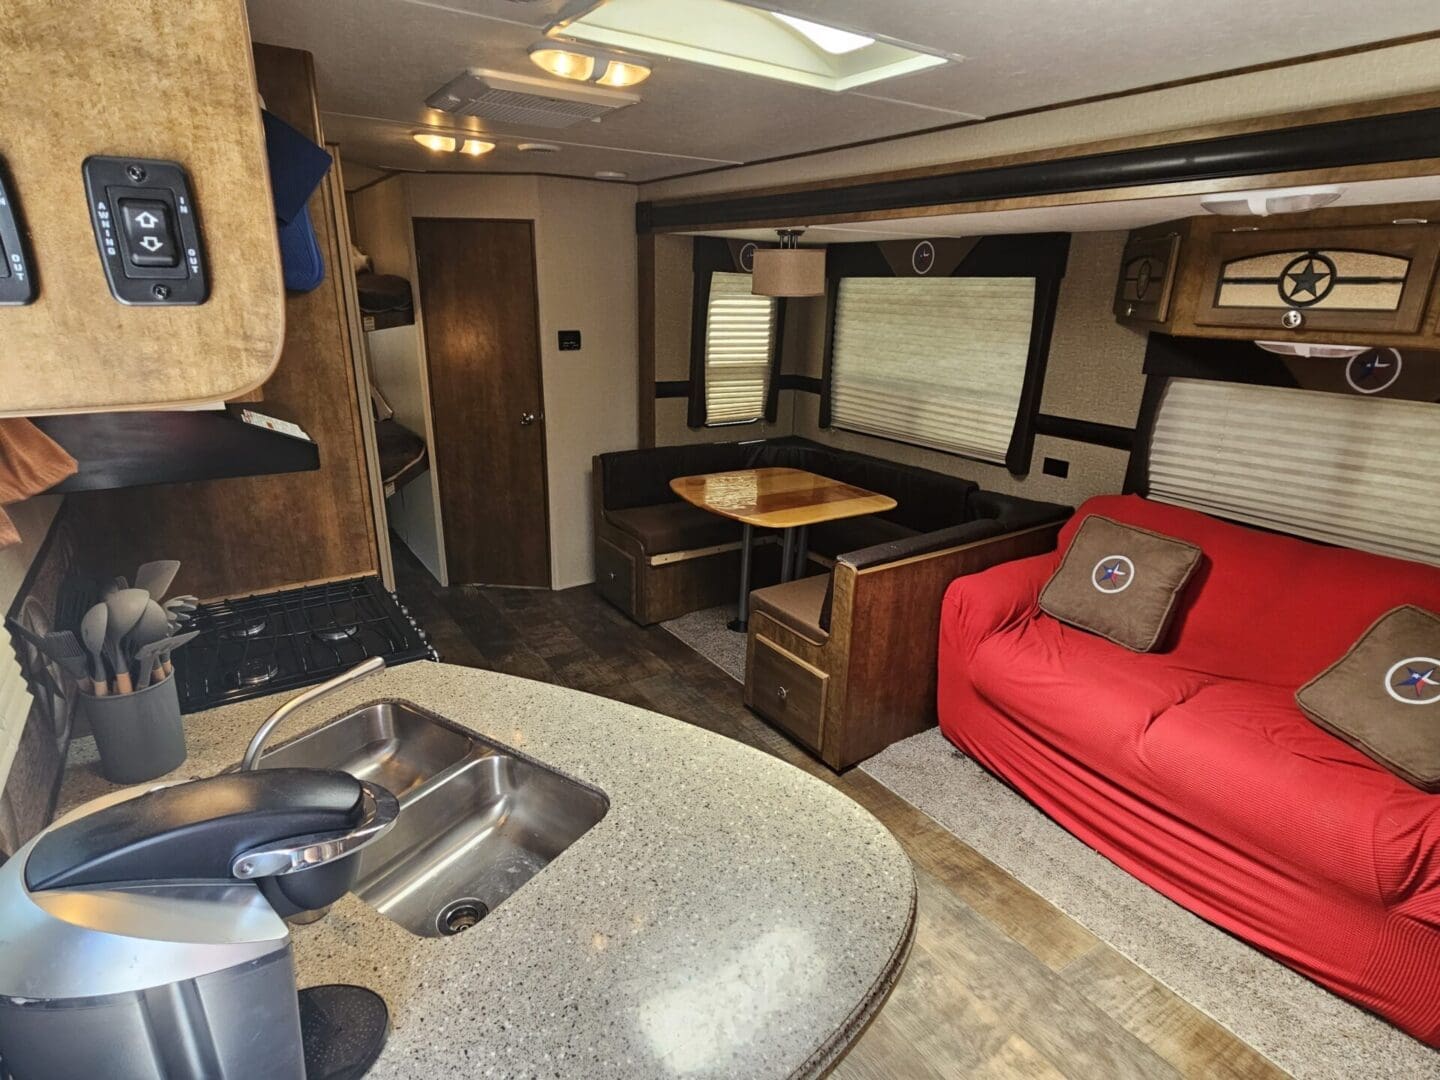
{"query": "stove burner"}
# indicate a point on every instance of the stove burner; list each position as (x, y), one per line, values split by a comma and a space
(250, 628)
(336, 633)
(257, 672)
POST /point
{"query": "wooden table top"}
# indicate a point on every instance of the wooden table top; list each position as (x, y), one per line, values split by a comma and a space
(778, 498)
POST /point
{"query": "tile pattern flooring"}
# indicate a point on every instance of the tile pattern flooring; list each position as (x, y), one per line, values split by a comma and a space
(999, 984)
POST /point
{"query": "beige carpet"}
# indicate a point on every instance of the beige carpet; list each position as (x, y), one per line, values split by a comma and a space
(707, 633)
(1292, 1021)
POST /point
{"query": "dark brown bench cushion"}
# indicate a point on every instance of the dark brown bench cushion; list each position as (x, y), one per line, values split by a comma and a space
(833, 538)
(674, 526)
(796, 604)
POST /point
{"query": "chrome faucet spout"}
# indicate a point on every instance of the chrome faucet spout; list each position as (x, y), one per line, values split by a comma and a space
(299, 701)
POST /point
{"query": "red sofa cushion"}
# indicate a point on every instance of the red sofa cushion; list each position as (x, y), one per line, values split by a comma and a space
(1265, 607)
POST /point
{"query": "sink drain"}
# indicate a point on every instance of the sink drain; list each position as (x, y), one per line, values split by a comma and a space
(460, 915)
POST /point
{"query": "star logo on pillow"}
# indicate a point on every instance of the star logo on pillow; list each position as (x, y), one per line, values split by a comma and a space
(1415, 681)
(1113, 574)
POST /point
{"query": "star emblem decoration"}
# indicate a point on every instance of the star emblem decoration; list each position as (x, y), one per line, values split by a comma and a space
(1307, 280)
(1113, 574)
(1418, 680)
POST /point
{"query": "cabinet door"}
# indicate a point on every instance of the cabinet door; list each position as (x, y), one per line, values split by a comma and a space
(1346, 279)
(1147, 278)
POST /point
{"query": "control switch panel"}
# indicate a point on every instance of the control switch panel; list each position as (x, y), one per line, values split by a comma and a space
(17, 268)
(147, 230)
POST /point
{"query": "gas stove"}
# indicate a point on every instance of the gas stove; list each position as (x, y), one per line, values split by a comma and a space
(292, 639)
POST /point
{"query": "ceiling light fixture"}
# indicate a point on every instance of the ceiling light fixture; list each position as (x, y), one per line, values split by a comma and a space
(538, 148)
(789, 270)
(1273, 201)
(587, 65)
(832, 39)
(563, 63)
(476, 147)
(441, 144)
(611, 174)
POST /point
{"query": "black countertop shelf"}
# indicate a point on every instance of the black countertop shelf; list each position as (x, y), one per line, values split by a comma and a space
(137, 449)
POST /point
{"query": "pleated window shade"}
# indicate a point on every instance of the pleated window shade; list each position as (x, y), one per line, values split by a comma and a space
(937, 362)
(739, 349)
(1358, 472)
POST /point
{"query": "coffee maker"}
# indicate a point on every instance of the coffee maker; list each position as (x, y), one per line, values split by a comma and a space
(143, 935)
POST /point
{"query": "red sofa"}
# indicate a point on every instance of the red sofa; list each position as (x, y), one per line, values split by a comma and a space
(1194, 770)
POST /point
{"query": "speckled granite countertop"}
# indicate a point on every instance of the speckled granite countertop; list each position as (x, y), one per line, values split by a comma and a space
(729, 917)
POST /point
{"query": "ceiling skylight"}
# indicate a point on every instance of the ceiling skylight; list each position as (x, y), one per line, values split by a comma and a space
(743, 36)
(832, 39)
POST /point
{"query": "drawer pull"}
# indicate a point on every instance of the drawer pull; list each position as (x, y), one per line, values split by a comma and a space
(781, 693)
(611, 575)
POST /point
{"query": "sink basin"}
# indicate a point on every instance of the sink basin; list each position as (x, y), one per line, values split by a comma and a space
(477, 820)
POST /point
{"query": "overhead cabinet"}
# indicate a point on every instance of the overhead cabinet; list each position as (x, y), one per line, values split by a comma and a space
(1147, 275)
(1348, 279)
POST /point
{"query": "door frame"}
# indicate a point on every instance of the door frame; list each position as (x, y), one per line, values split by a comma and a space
(539, 359)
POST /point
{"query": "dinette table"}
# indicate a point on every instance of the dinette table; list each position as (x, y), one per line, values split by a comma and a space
(790, 500)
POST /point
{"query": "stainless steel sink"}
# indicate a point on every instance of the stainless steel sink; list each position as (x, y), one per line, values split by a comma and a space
(477, 821)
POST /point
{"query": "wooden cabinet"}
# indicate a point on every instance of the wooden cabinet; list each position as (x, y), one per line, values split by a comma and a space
(1147, 275)
(787, 691)
(1361, 279)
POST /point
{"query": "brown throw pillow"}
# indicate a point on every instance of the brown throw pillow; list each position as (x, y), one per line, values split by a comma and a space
(1383, 696)
(1120, 582)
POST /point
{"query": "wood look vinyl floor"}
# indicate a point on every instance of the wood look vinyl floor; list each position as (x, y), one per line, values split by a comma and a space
(999, 982)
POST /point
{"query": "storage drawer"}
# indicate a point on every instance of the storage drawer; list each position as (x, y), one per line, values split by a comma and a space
(615, 575)
(788, 692)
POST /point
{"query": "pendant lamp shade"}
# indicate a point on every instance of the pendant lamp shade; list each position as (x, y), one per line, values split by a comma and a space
(789, 270)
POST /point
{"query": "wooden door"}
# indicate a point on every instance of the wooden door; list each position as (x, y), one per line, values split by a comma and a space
(482, 341)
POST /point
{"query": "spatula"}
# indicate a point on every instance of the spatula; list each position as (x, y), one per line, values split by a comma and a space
(92, 634)
(156, 577)
(153, 626)
(126, 608)
(158, 652)
(65, 649)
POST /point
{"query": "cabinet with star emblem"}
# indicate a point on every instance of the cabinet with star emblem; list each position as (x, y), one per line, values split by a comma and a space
(1361, 279)
(1147, 274)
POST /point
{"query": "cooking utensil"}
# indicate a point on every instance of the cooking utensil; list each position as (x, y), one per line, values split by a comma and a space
(169, 645)
(77, 595)
(92, 634)
(65, 649)
(146, 659)
(154, 625)
(156, 577)
(126, 608)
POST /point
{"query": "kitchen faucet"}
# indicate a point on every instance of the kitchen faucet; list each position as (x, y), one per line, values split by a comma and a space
(299, 701)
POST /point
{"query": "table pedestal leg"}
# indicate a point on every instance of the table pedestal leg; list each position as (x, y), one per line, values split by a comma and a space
(787, 556)
(742, 619)
(802, 549)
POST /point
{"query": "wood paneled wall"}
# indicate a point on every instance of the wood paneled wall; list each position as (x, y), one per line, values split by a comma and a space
(255, 534)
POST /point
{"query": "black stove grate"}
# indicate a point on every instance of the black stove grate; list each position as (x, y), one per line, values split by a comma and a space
(292, 639)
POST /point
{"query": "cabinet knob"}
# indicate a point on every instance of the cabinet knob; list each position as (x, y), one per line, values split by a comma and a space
(781, 693)
(526, 419)
(611, 575)
(1292, 319)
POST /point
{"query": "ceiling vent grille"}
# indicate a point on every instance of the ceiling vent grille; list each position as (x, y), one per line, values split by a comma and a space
(524, 102)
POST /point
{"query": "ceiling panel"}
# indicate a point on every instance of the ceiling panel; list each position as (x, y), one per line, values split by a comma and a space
(377, 60)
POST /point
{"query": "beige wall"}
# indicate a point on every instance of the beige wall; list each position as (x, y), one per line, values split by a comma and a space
(32, 518)
(1366, 76)
(585, 261)
(1094, 373)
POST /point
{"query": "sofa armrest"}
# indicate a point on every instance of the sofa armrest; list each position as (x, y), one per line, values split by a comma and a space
(985, 603)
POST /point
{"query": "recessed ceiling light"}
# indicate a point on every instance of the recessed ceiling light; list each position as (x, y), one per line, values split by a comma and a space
(476, 147)
(830, 38)
(538, 148)
(742, 36)
(564, 63)
(443, 144)
(611, 174)
(1275, 201)
(624, 73)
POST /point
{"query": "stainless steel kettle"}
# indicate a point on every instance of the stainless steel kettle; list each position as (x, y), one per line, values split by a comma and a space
(142, 936)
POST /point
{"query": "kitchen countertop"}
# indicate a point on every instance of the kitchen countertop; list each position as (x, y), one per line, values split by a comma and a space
(730, 916)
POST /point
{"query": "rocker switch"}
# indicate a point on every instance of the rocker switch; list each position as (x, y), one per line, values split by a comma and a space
(149, 232)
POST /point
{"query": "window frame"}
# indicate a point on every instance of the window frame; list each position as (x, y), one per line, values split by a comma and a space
(1041, 256)
(714, 255)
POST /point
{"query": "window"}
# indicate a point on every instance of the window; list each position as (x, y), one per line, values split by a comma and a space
(1345, 470)
(740, 332)
(939, 362)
